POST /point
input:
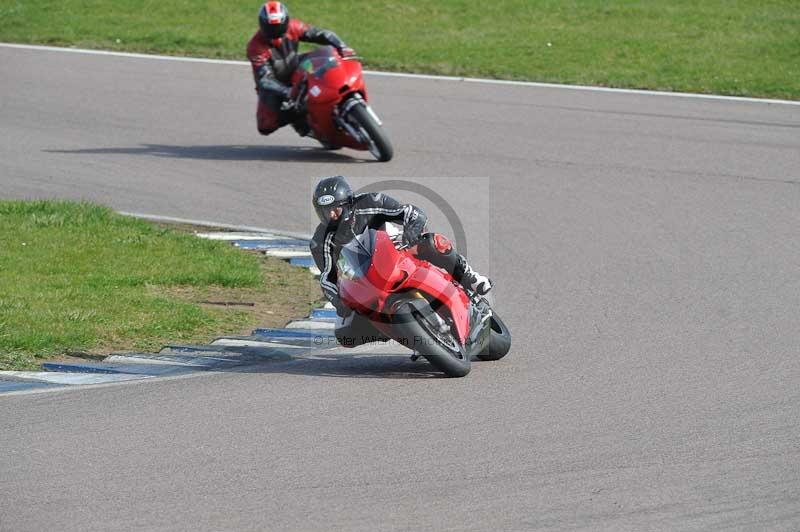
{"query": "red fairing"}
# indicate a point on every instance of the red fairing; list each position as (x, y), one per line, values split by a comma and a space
(390, 267)
(369, 294)
(439, 284)
(341, 79)
(354, 77)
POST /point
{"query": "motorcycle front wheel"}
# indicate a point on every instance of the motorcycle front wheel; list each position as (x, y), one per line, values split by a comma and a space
(379, 145)
(440, 347)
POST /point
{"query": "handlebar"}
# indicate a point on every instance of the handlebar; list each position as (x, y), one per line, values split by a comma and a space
(302, 89)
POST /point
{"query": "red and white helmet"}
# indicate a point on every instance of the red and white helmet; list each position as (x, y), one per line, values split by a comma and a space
(273, 19)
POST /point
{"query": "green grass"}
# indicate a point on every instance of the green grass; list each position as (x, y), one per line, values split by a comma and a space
(78, 277)
(739, 47)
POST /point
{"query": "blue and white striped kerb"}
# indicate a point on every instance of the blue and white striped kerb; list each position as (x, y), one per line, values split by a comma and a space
(295, 250)
(298, 337)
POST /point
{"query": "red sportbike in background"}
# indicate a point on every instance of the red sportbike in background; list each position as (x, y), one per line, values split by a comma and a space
(330, 90)
(415, 303)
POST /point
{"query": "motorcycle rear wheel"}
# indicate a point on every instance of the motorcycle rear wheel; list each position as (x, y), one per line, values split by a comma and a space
(499, 340)
(380, 146)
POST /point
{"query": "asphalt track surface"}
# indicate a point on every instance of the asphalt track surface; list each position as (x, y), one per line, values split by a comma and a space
(645, 251)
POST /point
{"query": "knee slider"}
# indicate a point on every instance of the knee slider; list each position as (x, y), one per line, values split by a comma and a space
(432, 244)
(437, 250)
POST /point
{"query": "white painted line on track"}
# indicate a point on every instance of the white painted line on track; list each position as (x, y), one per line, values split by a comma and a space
(533, 84)
(586, 88)
(72, 378)
(122, 54)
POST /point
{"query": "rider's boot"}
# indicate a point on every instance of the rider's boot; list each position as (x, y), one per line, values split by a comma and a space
(325, 144)
(300, 124)
(470, 279)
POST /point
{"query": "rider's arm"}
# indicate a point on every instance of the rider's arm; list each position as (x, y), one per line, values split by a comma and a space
(267, 82)
(258, 54)
(321, 36)
(322, 250)
(411, 217)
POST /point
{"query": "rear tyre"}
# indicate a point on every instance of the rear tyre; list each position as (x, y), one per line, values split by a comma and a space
(379, 145)
(499, 340)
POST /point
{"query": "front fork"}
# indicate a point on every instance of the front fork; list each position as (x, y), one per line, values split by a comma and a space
(340, 117)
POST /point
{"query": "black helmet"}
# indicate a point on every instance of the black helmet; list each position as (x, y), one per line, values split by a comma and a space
(273, 19)
(332, 192)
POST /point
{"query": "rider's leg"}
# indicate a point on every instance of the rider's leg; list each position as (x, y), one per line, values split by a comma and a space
(266, 119)
(439, 251)
(269, 116)
(300, 125)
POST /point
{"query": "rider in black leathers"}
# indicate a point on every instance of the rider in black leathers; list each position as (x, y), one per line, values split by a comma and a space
(343, 215)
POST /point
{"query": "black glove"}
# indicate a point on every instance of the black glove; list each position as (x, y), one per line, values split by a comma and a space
(267, 83)
(345, 51)
(415, 228)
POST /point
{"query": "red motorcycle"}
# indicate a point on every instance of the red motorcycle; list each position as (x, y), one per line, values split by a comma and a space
(397, 296)
(330, 90)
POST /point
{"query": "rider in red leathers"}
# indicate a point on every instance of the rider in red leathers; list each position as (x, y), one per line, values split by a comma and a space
(273, 53)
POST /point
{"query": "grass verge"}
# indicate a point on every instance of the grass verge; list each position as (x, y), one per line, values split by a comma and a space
(78, 279)
(748, 47)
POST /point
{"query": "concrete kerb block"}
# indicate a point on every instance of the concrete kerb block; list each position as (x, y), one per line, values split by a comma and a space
(305, 262)
(227, 347)
(323, 315)
(273, 244)
(312, 324)
(254, 343)
(55, 377)
(80, 367)
(18, 386)
(118, 368)
(288, 253)
(313, 339)
(238, 236)
(183, 361)
(284, 334)
(282, 246)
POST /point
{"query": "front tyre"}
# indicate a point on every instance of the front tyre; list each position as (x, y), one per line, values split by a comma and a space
(441, 348)
(499, 340)
(424, 331)
(377, 139)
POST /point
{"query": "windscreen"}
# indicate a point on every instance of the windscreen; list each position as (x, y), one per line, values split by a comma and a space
(356, 256)
(319, 61)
